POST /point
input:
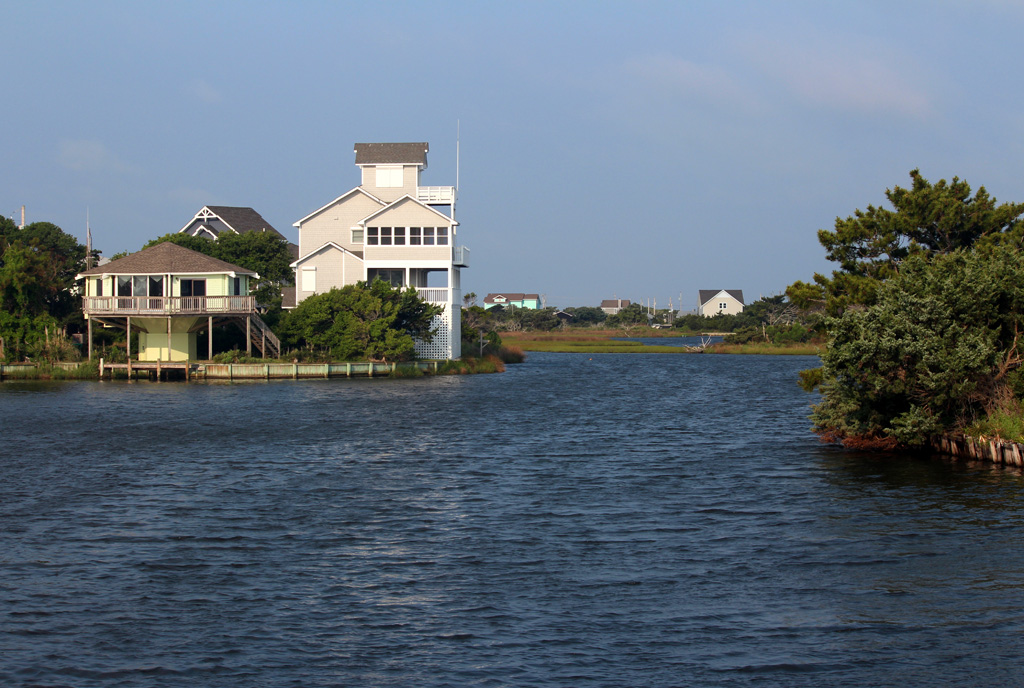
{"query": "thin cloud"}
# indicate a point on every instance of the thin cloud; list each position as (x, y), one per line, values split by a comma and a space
(204, 91)
(842, 79)
(674, 76)
(90, 156)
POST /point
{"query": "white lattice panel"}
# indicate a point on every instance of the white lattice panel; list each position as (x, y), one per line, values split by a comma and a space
(447, 337)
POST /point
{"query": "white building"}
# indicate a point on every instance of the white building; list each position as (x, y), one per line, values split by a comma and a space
(391, 228)
(715, 301)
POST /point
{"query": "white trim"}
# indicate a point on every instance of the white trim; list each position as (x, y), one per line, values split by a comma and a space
(233, 273)
(336, 200)
(315, 251)
(394, 204)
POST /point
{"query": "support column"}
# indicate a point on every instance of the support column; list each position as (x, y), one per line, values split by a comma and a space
(128, 343)
(169, 357)
(209, 337)
(88, 324)
(248, 335)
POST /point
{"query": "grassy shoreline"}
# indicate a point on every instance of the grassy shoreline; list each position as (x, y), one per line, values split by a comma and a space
(607, 342)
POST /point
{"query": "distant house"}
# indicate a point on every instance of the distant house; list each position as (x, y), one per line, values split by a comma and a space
(167, 294)
(613, 306)
(714, 301)
(213, 220)
(514, 299)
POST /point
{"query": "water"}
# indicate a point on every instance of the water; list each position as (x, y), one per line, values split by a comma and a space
(606, 520)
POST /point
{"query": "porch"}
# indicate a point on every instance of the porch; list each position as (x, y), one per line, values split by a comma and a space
(168, 305)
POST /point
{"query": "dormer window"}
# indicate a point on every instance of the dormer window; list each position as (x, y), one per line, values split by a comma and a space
(389, 177)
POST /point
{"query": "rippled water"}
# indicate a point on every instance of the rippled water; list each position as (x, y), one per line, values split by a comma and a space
(615, 520)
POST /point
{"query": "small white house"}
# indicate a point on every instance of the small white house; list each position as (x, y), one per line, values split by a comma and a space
(715, 301)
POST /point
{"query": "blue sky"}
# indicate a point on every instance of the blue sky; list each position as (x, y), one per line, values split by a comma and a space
(641, 150)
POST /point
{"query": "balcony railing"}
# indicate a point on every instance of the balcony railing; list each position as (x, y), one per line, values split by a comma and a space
(460, 256)
(167, 305)
(437, 195)
(434, 294)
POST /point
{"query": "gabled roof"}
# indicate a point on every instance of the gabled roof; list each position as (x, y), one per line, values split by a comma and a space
(339, 198)
(615, 303)
(512, 296)
(167, 258)
(241, 220)
(391, 154)
(409, 198)
(710, 294)
(329, 244)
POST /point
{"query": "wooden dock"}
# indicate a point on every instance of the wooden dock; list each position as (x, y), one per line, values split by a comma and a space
(198, 370)
(259, 371)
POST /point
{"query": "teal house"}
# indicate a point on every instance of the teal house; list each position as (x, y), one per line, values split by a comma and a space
(512, 299)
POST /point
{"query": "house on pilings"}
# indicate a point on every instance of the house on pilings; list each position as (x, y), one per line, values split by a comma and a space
(168, 294)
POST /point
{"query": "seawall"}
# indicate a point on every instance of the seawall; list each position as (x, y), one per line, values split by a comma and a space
(991, 450)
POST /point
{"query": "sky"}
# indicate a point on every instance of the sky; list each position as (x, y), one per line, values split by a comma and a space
(636, 150)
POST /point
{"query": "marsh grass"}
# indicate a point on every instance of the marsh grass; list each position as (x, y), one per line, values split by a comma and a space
(766, 349)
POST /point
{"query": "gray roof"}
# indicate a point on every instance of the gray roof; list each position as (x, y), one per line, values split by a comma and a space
(243, 220)
(708, 294)
(166, 258)
(510, 296)
(391, 154)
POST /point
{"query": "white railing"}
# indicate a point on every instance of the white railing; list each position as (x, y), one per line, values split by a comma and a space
(442, 195)
(167, 305)
(434, 294)
(460, 256)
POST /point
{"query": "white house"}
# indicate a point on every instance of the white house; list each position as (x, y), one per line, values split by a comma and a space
(727, 301)
(213, 220)
(391, 228)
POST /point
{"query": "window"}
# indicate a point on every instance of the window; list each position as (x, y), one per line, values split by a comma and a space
(399, 236)
(442, 236)
(193, 287)
(722, 306)
(428, 236)
(415, 236)
(308, 279)
(385, 236)
(394, 277)
(99, 286)
(138, 285)
(389, 177)
(372, 236)
(357, 235)
(236, 286)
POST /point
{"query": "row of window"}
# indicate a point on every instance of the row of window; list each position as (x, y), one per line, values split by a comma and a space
(150, 285)
(402, 236)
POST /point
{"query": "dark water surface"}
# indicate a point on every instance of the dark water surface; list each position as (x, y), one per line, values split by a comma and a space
(613, 520)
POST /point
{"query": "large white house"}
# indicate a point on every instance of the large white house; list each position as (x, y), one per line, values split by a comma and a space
(391, 228)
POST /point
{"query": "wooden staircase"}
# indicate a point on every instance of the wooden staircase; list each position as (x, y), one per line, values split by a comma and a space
(263, 339)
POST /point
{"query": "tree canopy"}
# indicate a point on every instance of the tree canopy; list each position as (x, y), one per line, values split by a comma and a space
(361, 322)
(870, 245)
(934, 351)
(38, 264)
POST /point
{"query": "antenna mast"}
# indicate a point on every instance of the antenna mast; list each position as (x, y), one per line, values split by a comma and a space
(458, 131)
